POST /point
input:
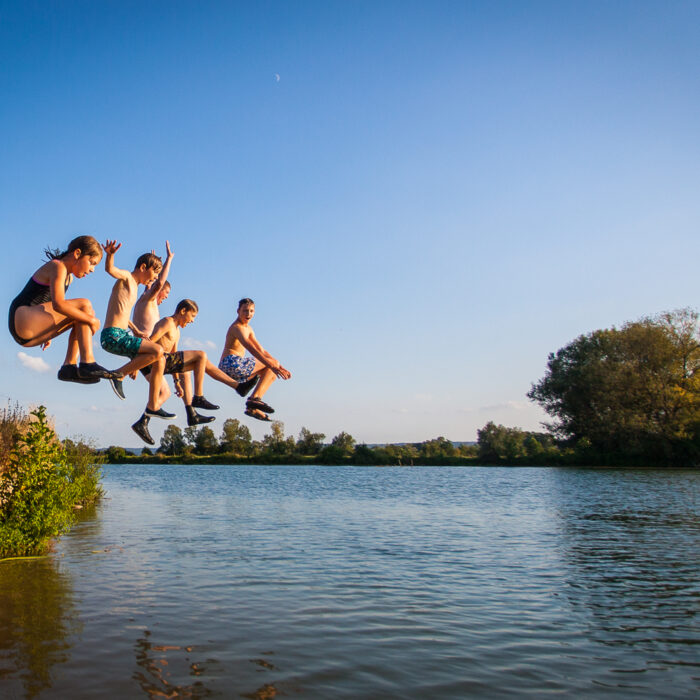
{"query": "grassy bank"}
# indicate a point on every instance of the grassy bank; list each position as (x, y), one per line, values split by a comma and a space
(43, 481)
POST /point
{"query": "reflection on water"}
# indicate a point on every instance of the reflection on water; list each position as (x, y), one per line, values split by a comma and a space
(633, 564)
(37, 616)
(263, 582)
(160, 667)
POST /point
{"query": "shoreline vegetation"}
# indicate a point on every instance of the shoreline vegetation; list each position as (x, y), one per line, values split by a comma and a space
(619, 397)
(43, 482)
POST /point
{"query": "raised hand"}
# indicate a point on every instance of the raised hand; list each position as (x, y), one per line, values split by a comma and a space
(111, 247)
(167, 248)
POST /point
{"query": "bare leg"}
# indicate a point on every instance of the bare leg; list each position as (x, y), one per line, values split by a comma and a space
(215, 373)
(196, 361)
(73, 348)
(155, 381)
(148, 352)
(187, 388)
(41, 322)
(164, 393)
(267, 376)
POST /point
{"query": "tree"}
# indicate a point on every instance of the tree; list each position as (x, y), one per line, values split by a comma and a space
(115, 454)
(633, 391)
(275, 441)
(498, 443)
(172, 442)
(235, 437)
(205, 442)
(440, 447)
(344, 442)
(309, 443)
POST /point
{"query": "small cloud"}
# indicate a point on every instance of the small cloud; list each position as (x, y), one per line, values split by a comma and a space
(507, 406)
(192, 344)
(36, 364)
(277, 77)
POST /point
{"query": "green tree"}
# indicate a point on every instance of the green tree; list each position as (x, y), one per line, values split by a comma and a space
(275, 442)
(173, 441)
(440, 447)
(499, 443)
(309, 443)
(115, 454)
(344, 442)
(631, 392)
(205, 442)
(235, 437)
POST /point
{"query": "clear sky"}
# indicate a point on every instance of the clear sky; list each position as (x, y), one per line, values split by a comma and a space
(423, 198)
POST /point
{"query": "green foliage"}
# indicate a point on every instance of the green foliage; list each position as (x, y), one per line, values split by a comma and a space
(205, 442)
(115, 454)
(309, 443)
(497, 443)
(86, 470)
(632, 393)
(235, 437)
(42, 482)
(172, 442)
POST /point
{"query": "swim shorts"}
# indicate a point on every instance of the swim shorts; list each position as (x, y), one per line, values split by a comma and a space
(120, 342)
(174, 362)
(238, 368)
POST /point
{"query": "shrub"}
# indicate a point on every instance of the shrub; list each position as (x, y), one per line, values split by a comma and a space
(39, 487)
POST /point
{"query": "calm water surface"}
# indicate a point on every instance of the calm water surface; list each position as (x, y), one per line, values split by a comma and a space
(330, 582)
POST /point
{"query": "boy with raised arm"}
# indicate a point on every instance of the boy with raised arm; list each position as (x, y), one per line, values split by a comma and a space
(115, 336)
(146, 313)
(239, 338)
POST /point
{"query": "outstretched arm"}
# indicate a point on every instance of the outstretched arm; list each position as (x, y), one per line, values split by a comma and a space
(151, 291)
(110, 248)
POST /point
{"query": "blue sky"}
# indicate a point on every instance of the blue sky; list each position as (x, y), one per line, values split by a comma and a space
(424, 199)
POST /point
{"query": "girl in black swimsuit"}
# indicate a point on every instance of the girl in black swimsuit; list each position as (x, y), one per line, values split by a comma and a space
(40, 312)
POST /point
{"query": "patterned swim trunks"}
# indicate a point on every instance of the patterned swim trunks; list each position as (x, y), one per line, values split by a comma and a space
(120, 342)
(174, 362)
(238, 368)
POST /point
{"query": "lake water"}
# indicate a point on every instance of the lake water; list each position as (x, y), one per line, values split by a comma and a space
(336, 582)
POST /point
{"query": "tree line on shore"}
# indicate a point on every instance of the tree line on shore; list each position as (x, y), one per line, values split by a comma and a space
(617, 397)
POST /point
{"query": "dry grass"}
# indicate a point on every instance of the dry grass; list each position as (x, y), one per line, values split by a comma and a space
(13, 422)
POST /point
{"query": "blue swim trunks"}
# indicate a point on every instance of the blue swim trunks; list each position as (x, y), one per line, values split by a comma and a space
(238, 368)
(120, 342)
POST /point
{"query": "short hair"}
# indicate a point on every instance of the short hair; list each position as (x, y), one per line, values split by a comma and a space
(187, 305)
(166, 284)
(149, 260)
(245, 300)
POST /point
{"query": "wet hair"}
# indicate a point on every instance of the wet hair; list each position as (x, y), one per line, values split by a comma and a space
(187, 305)
(245, 300)
(149, 260)
(86, 244)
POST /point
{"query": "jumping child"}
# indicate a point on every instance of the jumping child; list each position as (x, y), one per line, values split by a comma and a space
(41, 312)
(181, 363)
(262, 365)
(146, 313)
(115, 336)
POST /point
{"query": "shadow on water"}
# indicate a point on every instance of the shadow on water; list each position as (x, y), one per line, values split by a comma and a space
(37, 618)
(164, 671)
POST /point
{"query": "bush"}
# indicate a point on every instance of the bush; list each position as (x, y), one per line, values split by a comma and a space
(41, 483)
